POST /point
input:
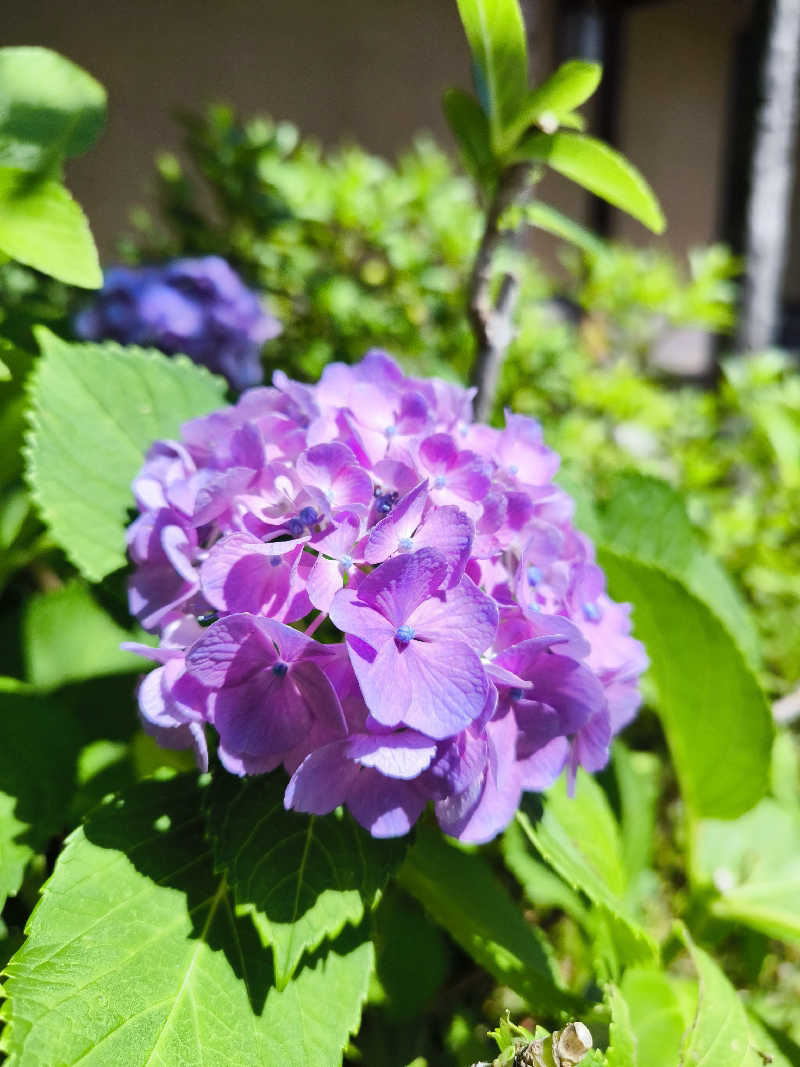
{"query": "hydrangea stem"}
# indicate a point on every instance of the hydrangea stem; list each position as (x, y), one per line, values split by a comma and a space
(491, 319)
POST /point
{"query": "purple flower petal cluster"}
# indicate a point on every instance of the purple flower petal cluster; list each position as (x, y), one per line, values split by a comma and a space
(199, 307)
(355, 581)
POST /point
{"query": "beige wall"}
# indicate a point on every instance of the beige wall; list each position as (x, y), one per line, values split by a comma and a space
(373, 69)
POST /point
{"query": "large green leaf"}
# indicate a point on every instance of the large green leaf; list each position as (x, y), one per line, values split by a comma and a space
(305, 876)
(540, 884)
(136, 955)
(719, 1033)
(68, 637)
(496, 35)
(714, 714)
(646, 519)
(49, 108)
(578, 836)
(460, 892)
(38, 754)
(567, 88)
(754, 864)
(95, 411)
(656, 1015)
(43, 227)
(597, 167)
(637, 775)
(549, 219)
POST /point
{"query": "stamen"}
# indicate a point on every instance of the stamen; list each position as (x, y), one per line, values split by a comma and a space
(280, 668)
(404, 633)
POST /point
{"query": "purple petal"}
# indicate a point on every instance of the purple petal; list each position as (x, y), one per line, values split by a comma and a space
(230, 652)
(463, 613)
(386, 535)
(400, 755)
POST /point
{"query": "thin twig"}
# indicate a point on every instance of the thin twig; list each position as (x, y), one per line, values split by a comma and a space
(491, 321)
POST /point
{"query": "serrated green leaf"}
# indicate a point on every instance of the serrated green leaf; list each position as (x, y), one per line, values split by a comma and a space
(305, 876)
(719, 1033)
(460, 892)
(579, 838)
(541, 885)
(135, 955)
(569, 86)
(95, 410)
(716, 719)
(656, 1015)
(67, 637)
(40, 746)
(470, 127)
(49, 108)
(646, 519)
(623, 1046)
(754, 863)
(496, 35)
(547, 218)
(43, 227)
(763, 1044)
(597, 167)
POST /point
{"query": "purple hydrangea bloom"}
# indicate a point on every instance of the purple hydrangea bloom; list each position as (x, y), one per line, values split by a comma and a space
(199, 307)
(354, 581)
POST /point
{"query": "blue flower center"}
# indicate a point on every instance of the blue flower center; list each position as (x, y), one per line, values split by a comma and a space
(295, 527)
(513, 468)
(404, 633)
(308, 516)
(280, 668)
(207, 618)
(591, 612)
(534, 575)
(406, 544)
(516, 694)
(439, 482)
(346, 562)
(274, 561)
(390, 431)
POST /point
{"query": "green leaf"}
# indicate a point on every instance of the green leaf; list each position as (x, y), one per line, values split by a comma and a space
(413, 956)
(470, 127)
(67, 637)
(460, 892)
(598, 168)
(541, 885)
(567, 88)
(754, 863)
(719, 1033)
(646, 519)
(623, 1046)
(552, 221)
(95, 410)
(49, 108)
(41, 741)
(637, 775)
(496, 35)
(764, 1043)
(135, 955)
(43, 227)
(306, 877)
(579, 838)
(716, 719)
(656, 1014)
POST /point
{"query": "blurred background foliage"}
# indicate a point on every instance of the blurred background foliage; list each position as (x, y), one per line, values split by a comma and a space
(352, 252)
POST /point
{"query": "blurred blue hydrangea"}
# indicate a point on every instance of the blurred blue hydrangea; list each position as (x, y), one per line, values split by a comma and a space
(199, 307)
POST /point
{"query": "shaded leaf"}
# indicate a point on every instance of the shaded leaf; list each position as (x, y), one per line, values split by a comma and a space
(656, 1014)
(40, 746)
(597, 167)
(637, 775)
(547, 218)
(305, 876)
(460, 892)
(470, 127)
(49, 108)
(623, 1046)
(43, 227)
(540, 884)
(95, 410)
(135, 955)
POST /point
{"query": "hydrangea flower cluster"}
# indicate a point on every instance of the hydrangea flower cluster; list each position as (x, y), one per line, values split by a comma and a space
(199, 307)
(356, 581)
